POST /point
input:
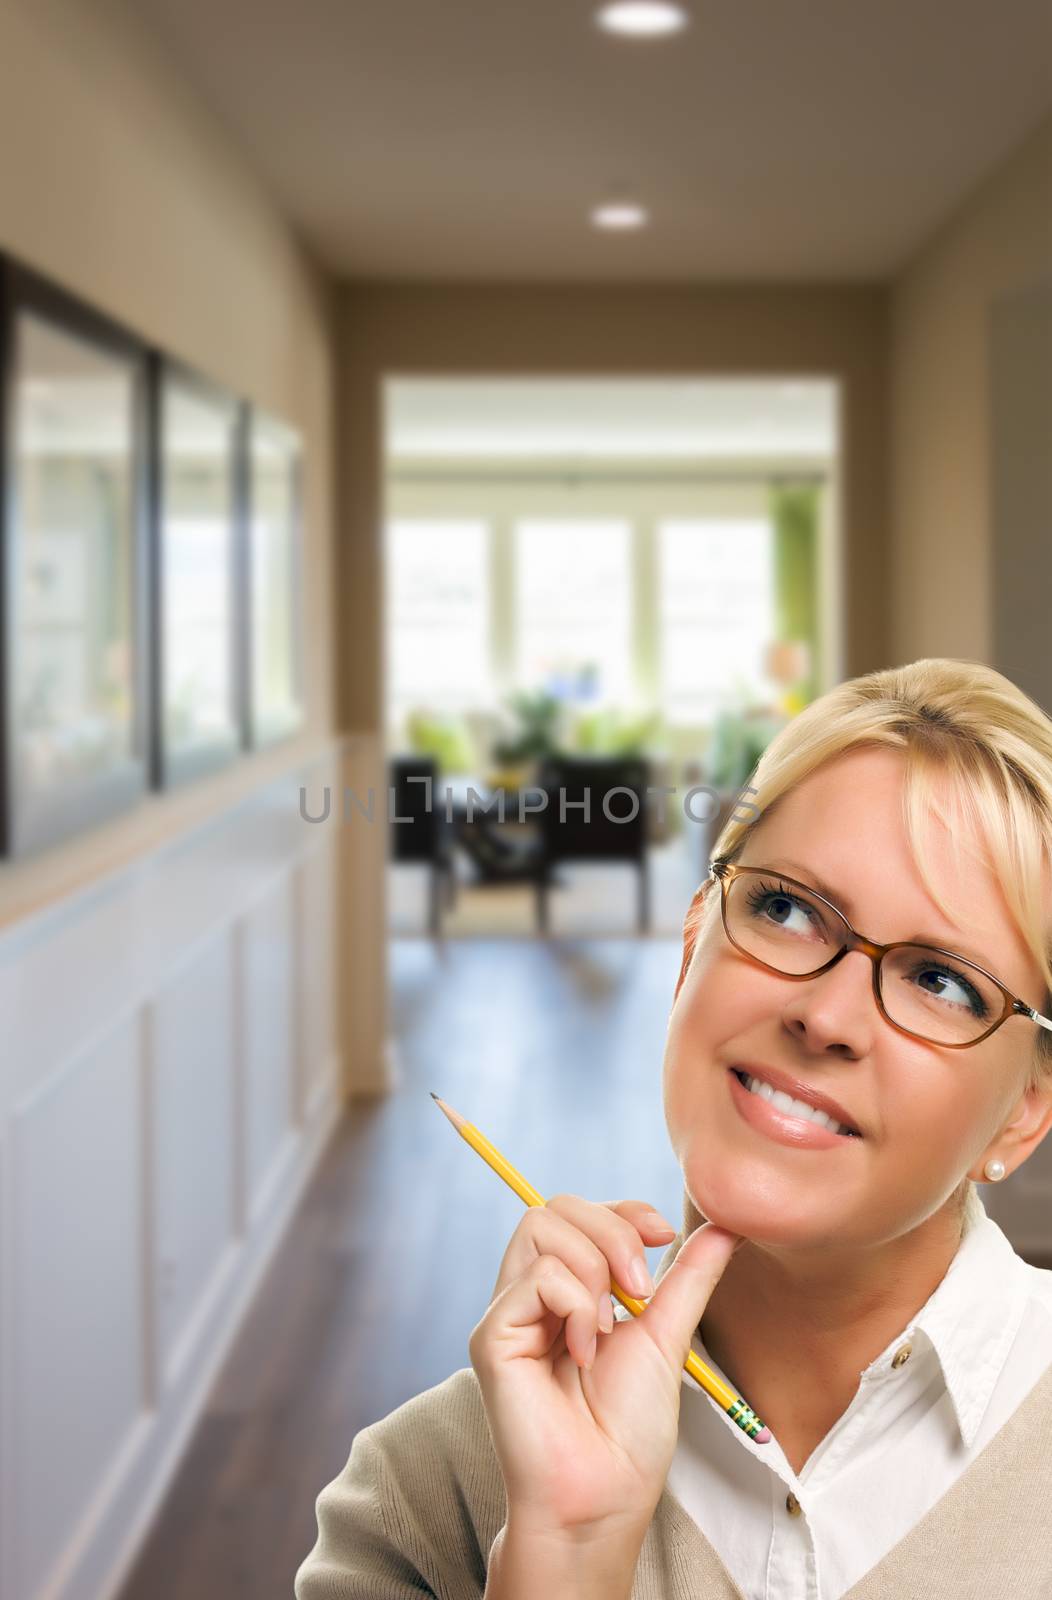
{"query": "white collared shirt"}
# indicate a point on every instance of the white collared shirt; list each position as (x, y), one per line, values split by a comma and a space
(965, 1362)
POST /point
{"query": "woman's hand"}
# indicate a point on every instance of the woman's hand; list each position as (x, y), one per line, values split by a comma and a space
(584, 1411)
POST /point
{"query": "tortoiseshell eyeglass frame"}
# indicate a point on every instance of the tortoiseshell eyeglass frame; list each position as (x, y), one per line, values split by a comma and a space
(725, 872)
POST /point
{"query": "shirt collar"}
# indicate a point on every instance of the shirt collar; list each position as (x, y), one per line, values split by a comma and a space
(970, 1320)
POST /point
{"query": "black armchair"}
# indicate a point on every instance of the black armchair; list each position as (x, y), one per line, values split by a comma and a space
(598, 838)
(426, 837)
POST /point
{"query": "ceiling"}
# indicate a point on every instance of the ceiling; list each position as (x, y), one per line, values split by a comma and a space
(467, 139)
(676, 419)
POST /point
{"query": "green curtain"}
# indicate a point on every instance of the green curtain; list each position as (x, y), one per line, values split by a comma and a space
(794, 517)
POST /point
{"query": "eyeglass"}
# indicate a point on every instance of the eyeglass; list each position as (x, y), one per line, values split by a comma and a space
(921, 989)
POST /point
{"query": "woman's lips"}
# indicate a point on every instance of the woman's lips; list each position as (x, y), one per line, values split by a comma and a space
(779, 1126)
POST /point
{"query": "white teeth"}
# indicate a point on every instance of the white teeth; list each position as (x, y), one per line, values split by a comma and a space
(793, 1108)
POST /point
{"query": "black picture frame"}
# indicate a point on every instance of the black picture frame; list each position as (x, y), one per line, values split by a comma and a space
(183, 753)
(37, 813)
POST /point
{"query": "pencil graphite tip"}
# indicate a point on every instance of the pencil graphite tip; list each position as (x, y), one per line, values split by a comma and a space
(447, 1111)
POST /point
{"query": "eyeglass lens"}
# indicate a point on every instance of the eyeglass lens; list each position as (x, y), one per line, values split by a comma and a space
(940, 998)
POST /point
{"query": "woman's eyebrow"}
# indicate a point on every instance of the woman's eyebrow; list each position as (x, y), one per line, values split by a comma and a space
(796, 869)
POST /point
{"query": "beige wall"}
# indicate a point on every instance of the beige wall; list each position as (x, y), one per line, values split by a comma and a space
(119, 184)
(998, 244)
(592, 331)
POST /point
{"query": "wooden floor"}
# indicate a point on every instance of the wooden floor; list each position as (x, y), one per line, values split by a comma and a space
(554, 1051)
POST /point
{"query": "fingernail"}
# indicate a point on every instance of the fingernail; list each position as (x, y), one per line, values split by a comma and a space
(639, 1280)
(658, 1222)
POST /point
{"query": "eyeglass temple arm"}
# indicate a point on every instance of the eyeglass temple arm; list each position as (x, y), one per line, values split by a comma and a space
(1028, 1011)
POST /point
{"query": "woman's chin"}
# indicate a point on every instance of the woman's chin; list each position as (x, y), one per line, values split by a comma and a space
(761, 1214)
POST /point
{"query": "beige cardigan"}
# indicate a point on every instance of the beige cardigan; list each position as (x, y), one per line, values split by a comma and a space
(417, 1507)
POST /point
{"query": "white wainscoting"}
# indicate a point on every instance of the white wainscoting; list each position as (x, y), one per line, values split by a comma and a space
(168, 1076)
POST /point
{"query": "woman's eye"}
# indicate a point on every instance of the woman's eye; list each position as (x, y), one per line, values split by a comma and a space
(942, 983)
(778, 907)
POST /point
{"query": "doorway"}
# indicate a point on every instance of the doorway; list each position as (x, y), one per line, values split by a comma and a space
(617, 568)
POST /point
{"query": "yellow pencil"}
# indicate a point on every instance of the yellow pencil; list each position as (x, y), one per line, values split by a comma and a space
(710, 1381)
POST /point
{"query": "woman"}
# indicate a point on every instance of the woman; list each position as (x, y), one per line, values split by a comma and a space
(847, 1283)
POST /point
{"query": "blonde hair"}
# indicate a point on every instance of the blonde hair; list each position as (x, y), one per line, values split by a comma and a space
(956, 719)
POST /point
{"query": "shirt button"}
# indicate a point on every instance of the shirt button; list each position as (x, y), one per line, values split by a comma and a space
(902, 1355)
(792, 1505)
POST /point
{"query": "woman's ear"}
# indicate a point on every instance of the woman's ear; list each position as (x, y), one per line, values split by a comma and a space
(1024, 1131)
(691, 923)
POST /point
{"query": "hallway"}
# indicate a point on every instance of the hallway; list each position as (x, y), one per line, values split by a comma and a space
(499, 389)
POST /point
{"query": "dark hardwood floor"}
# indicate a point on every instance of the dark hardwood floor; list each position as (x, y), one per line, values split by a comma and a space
(554, 1051)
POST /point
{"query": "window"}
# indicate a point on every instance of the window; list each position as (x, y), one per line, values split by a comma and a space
(599, 610)
(573, 600)
(717, 612)
(438, 614)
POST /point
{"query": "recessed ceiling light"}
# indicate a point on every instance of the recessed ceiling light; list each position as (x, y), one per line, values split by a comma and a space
(642, 19)
(620, 214)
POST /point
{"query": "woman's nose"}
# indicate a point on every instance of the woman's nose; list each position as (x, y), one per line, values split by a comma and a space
(835, 1011)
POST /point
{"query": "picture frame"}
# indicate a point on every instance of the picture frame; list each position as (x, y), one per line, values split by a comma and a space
(273, 579)
(198, 602)
(74, 669)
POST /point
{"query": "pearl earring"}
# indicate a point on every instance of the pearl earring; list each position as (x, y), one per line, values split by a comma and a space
(994, 1171)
